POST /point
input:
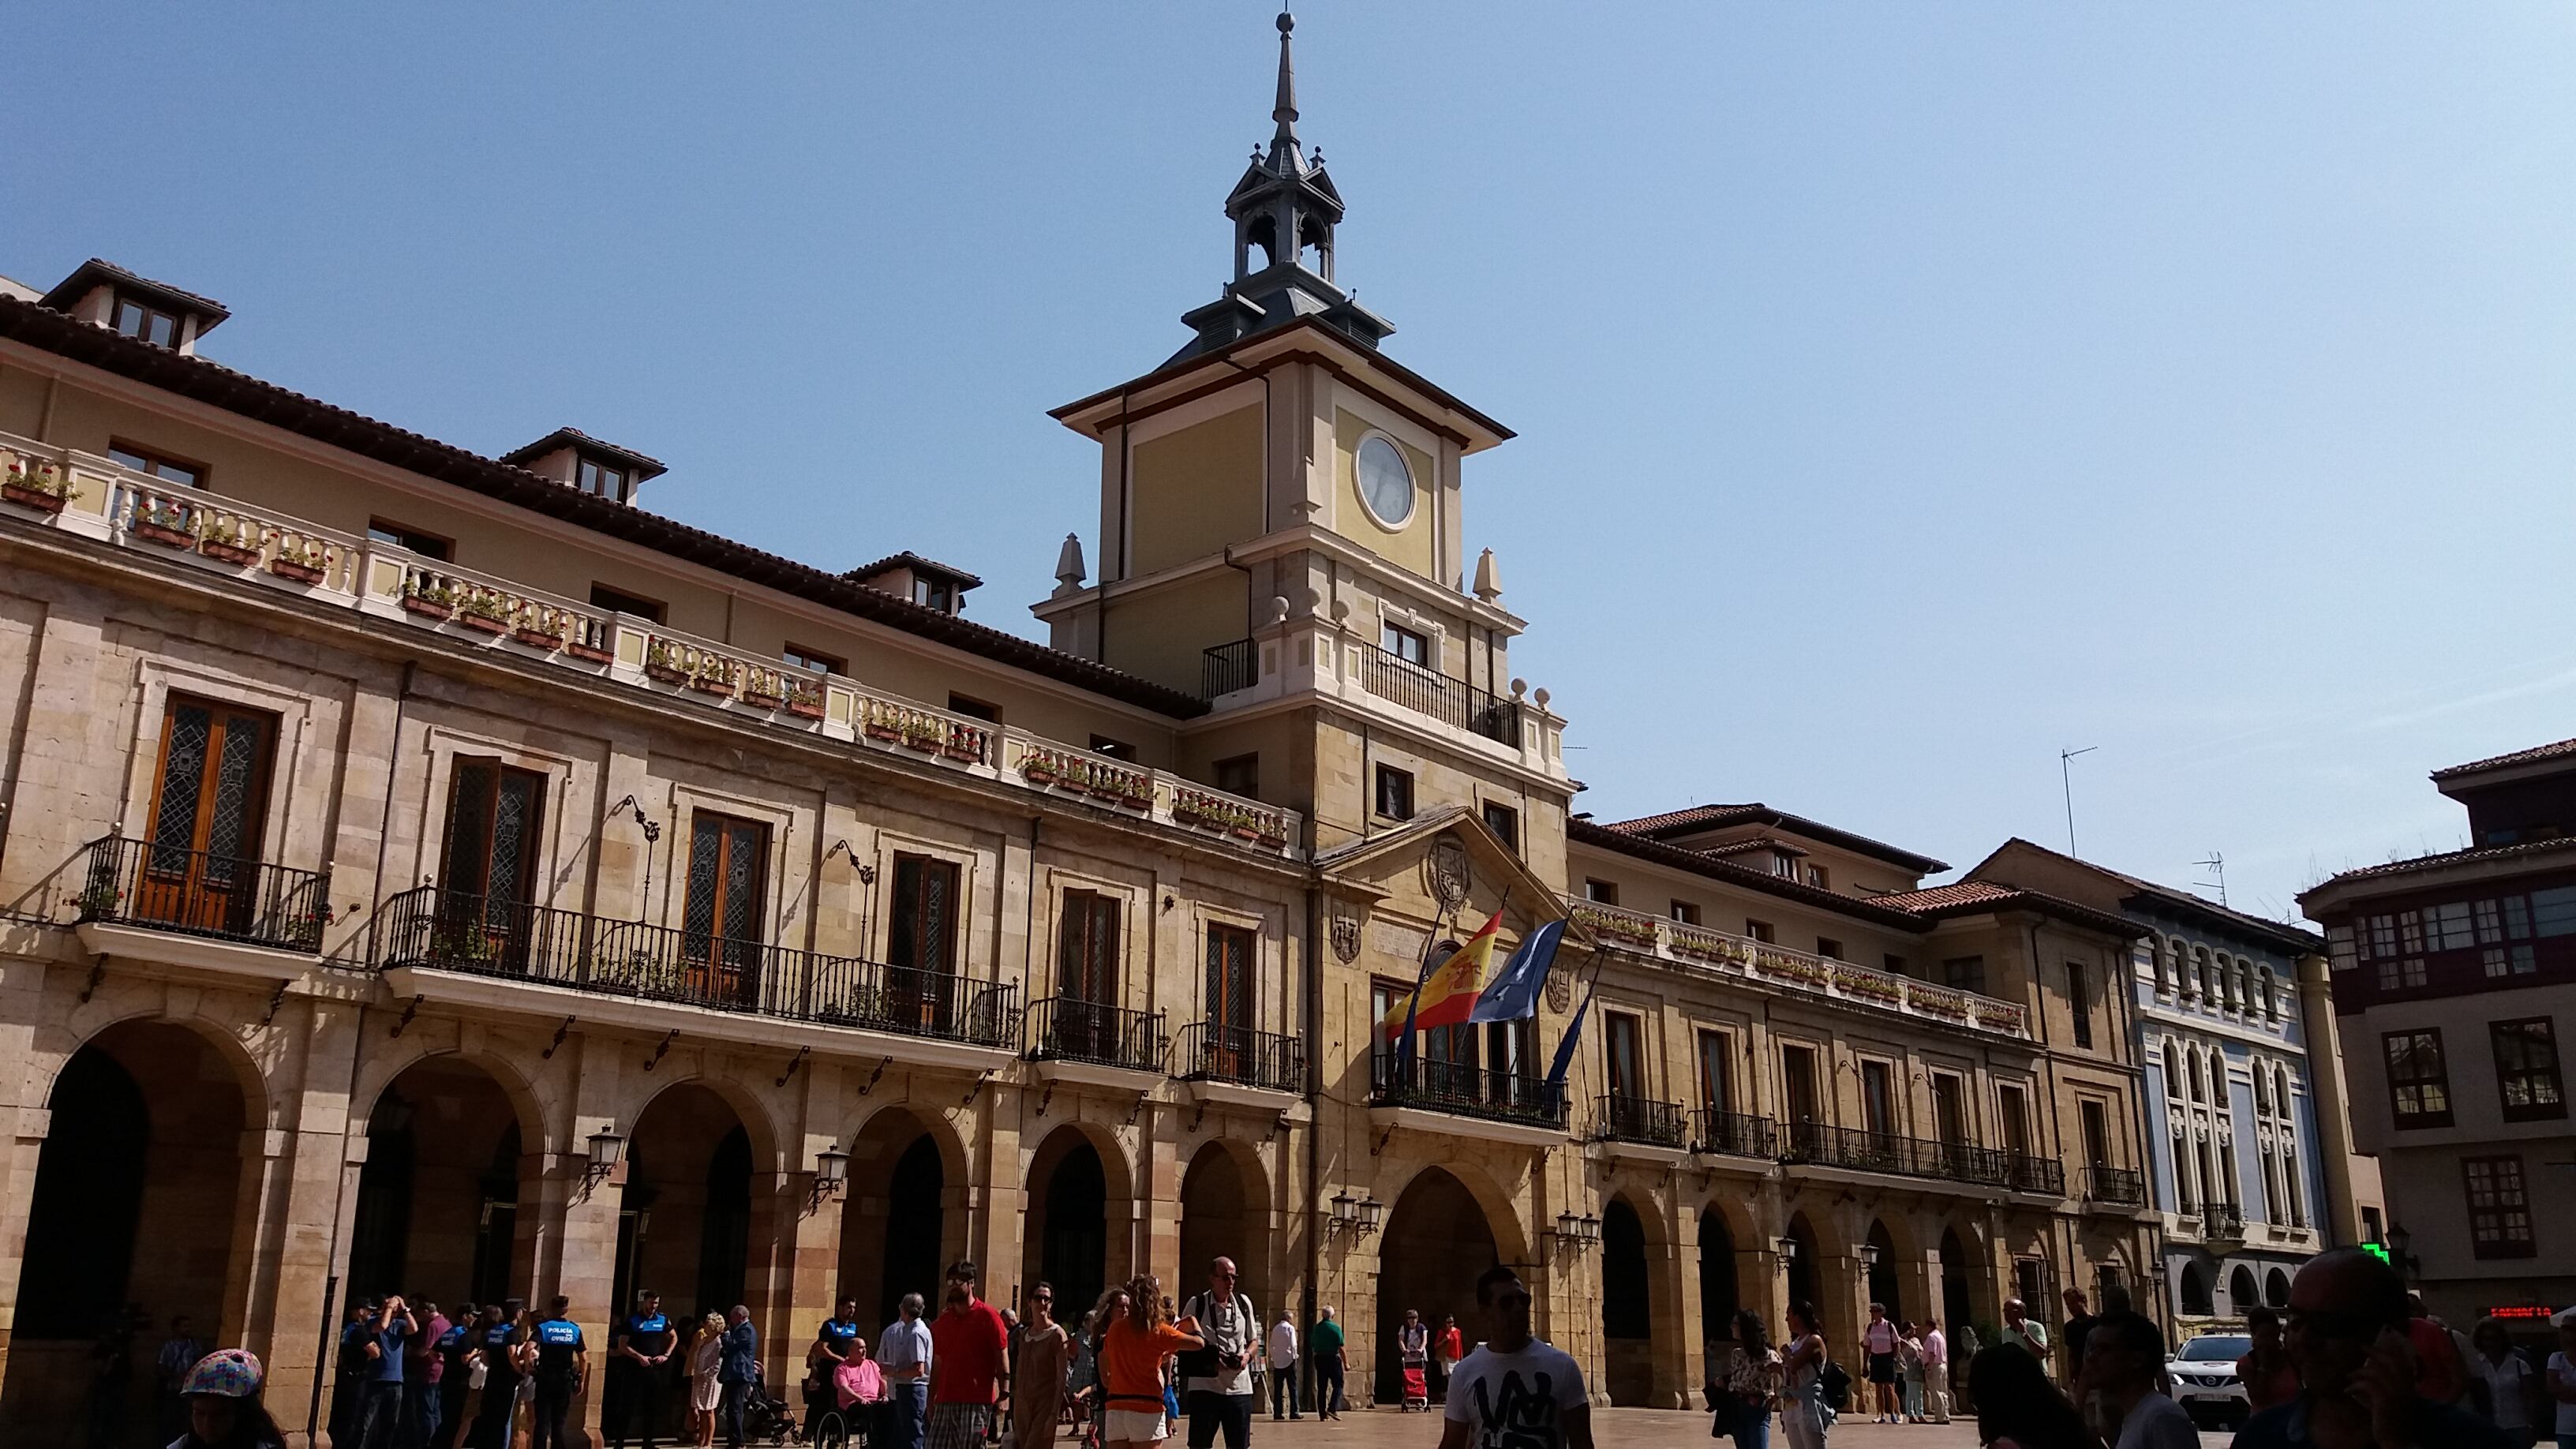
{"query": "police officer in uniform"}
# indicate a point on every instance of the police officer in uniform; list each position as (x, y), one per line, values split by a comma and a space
(638, 1347)
(492, 1344)
(563, 1361)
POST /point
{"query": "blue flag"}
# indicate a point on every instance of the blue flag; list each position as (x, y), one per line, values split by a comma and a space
(1565, 1048)
(1513, 994)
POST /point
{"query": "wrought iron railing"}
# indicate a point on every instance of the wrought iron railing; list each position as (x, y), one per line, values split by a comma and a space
(2116, 1186)
(1733, 1134)
(1466, 1091)
(2026, 1173)
(1227, 668)
(488, 936)
(1211, 1051)
(1819, 1145)
(1621, 1118)
(2222, 1220)
(194, 893)
(1427, 691)
(1069, 1029)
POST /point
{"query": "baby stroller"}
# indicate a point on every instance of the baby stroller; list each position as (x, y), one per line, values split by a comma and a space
(766, 1420)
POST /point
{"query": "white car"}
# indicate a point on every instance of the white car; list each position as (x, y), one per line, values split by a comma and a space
(2204, 1378)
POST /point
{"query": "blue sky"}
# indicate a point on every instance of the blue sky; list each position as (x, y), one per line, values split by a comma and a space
(1906, 392)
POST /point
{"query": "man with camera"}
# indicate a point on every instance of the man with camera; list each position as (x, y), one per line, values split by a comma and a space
(1217, 1379)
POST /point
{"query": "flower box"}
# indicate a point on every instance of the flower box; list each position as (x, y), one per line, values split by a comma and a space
(927, 743)
(161, 533)
(667, 673)
(805, 708)
(758, 700)
(1274, 839)
(484, 622)
(969, 750)
(536, 638)
(428, 607)
(27, 495)
(1038, 771)
(711, 683)
(231, 553)
(591, 652)
(879, 730)
(302, 573)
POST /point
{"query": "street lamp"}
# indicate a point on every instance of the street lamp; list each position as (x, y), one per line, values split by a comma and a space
(1372, 1212)
(607, 1149)
(831, 1170)
(1788, 1249)
(1869, 1255)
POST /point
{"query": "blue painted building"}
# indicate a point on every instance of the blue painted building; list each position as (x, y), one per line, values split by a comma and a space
(2241, 1175)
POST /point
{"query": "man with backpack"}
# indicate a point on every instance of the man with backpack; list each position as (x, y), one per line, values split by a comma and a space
(1217, 1379)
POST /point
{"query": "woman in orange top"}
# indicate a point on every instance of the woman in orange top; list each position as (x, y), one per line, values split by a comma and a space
(1132, 1349)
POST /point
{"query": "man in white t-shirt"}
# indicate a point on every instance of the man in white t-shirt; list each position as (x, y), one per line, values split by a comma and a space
(2123, 1353)
(1514, 1391)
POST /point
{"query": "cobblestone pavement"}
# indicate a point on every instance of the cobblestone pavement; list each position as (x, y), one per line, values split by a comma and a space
(1611, 1429)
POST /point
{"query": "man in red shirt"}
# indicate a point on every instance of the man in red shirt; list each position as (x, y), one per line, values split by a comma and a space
(967, 1351)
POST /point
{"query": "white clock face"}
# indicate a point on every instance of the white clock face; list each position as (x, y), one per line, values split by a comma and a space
(1386, 485)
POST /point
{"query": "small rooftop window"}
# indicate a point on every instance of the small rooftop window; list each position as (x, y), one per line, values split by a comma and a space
(927, 582)
(573, 457)
(138, 307)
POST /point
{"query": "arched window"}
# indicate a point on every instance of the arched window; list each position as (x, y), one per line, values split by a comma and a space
(2244, 986)
(2196, 1290)
(2262, 1092)
(2186, 1184)
(2173, 1072)
(2281, 1090)
(2271, 994)
(2199, 1082)
(2240, 1290)
(2208, 982)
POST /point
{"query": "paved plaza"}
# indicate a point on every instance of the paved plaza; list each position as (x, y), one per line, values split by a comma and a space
(1612, 1429)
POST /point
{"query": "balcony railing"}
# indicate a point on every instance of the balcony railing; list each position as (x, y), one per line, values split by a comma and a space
(189, 892)
(2115, 1186)
(182, 529)
(488, 936)
(2025, 1173)
(1734, 1134)
(1214, 1052)
(1069, 1029)
(1228, 667)
(1618, 1118)
(1697, 948)
(1822, 1146)
(2222, 1220)
(1427, 691)
(1466, 1091)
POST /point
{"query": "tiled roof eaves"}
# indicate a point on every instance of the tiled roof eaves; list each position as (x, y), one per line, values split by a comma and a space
(1585, 832)
(1678, 822)
(2532, 756)
(908, 559)
(2474, 855)
(1180, 366)
(219, 386)
(2013, 898)
(88, 274)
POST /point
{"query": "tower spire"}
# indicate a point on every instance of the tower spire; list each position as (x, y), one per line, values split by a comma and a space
(1284, 110)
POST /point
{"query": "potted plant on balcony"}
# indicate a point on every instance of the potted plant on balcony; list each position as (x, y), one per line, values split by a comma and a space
(580, 647)
(537, 631)
(164, 521)
(427, 597)
(36, 483)
(1867, 984)
(763, 690)
(1038, 768)
(965, 744)
(713, 676)
(98, 902)
(662, 662)
(484, 610)
(805, 699)
(300, 560)
(228, 548)
(927, 735)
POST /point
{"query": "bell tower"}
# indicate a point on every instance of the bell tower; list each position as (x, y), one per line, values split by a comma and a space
(1281, 534)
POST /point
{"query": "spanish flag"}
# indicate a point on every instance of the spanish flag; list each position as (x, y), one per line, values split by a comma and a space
(1449, 992)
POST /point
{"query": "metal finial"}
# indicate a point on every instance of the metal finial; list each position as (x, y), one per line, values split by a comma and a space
(1287, 22)
(1284, 110)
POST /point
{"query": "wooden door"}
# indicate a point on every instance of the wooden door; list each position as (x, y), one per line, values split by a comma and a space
(488, 871)
(209, 805)
(921, 945)
(722, 919)
(1230, 1039)
(1086, 985)
(1620, 1036)
(1798, 1094)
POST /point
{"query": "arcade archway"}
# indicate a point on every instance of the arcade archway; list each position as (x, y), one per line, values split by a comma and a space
(687, 1215)
(1627, 1305)
(437, 1211)
(1436, 1242)
(133, 1204)
(1958, 1280)
(1719, 1297)
(1223, 1212)
(1080, 1216)
(1886, 1284)
(894, 1237)
(1806, 1278)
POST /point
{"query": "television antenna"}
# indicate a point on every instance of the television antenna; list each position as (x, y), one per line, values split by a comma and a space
(2216, 865)
(2066, 781)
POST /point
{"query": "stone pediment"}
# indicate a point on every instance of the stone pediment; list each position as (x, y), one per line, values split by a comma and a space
(1441, 870)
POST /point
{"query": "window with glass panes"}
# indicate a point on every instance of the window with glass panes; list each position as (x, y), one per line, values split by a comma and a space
(2526, 1067)
(155, 325)
(2499, 1207)
(2419, 1085)
(157, 464)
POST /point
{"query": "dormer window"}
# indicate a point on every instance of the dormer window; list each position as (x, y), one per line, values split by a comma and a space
(932, 593)
(586, 464)
(907, 575)
(141, 319)
(600, 478)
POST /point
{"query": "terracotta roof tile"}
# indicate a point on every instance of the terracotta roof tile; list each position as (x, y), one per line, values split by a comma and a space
(2530, 756)
(2471, 856)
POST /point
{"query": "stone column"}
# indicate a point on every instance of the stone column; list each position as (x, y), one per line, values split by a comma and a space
(997, 1199)
(297, 1200)
(2325, 1078)
(1671, 1269)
